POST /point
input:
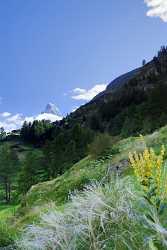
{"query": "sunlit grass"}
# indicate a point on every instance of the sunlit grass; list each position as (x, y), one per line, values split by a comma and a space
(101, 217)
(7, 231)
(84, 173)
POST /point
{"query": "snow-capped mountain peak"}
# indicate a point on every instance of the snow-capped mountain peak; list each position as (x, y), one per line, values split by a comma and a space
(11, 121)
(52, 109)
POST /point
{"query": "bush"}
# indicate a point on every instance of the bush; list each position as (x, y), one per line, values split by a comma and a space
(100, 146)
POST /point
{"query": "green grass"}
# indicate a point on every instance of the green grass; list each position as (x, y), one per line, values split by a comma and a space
(107, 216)
(77, 177)
(56, 192)
(7, 210)
(7, 230)
(88, 170)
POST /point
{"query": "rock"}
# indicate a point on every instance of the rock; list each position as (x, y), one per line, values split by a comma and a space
(117, 169)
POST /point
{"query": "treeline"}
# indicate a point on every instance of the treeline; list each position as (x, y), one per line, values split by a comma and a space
(36, 132)
(53, 150)
(68, 147)
(56, 156)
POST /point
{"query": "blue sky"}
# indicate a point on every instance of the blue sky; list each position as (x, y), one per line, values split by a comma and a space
(50, 48)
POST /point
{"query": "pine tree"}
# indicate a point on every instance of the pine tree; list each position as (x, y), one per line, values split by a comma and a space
(8, 168)
(32, 172)
(143, 62)
(2, 134)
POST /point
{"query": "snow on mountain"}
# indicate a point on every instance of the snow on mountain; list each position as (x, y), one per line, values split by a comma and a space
(14, 121)
(52, 109)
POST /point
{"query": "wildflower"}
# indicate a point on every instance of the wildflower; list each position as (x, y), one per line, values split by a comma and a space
(149, 170)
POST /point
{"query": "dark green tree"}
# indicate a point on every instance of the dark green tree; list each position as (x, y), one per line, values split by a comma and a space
(68, 147)
(32, 171)
(36, 132)
(8, 169)
(2, 134)
(144, 62)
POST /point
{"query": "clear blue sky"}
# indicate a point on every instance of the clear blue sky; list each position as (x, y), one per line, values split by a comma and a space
(48, 48)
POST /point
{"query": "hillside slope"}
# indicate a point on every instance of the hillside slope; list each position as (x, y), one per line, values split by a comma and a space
(45, 196)
(131, 101)
(87, 171)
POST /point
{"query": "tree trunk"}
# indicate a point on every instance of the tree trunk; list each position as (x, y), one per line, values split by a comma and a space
(9, 192)
(6, 191)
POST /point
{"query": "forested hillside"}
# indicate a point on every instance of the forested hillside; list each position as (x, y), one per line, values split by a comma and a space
(129, 106)
(130, 103)
(87, 154)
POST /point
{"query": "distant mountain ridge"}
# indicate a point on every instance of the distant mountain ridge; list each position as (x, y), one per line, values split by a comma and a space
(118, 82)
(123, 79)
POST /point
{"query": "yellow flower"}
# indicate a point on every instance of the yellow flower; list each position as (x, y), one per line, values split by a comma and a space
(148, 168)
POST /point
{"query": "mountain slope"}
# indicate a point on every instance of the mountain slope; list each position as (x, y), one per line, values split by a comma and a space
(88, 170)
(44, 196)
(118, 82)
(132, 101)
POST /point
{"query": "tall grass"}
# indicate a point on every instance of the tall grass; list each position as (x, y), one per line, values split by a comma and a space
(7, 232)
(104, 216)
(101, 217)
